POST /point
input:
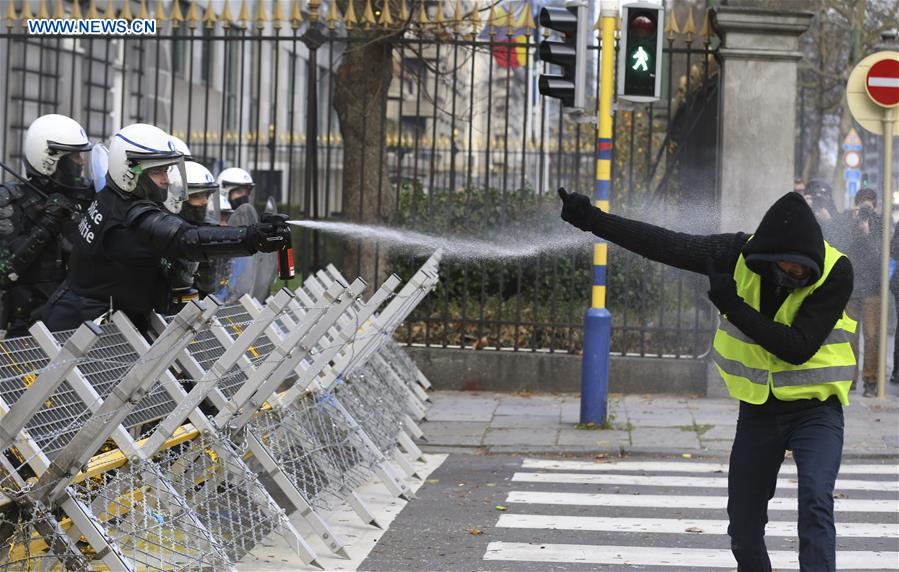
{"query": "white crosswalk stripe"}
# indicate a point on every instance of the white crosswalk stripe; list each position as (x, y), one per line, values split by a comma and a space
(672, 515)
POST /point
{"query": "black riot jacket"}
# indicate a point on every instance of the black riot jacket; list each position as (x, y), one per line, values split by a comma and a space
(125, 246)
(34, 248)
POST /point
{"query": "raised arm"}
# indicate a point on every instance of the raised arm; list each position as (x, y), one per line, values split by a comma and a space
(686, 251)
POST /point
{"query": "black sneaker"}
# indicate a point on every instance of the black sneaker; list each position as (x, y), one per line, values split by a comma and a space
(870, 390)
(894, 379)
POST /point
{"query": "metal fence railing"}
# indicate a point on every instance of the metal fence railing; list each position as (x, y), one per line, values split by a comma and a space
(131, 455)
(450, 134)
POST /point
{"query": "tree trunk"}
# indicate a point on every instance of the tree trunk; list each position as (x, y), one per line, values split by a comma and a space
(360, 95)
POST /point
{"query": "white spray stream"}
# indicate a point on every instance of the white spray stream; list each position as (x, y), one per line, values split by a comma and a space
(505, 244)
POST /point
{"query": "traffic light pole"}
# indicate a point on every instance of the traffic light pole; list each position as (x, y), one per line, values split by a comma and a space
(598, 320)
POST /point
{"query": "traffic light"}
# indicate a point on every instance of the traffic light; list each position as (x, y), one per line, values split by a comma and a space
(640, 52)
(571, 54)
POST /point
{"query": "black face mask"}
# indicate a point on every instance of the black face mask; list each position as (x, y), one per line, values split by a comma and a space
(193, 213)
(785, 280)
(237, 201)
(147, 189)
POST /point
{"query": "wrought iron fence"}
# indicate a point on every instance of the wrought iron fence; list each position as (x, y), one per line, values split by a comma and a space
(463, 142)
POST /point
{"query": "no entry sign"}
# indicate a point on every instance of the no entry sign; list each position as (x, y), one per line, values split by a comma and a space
(882, 82)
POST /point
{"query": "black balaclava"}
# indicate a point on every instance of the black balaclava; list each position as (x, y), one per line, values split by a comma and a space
(195, 214)
(237, 201)
(147, 189)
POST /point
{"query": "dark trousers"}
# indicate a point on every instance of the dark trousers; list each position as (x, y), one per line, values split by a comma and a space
(815, 436)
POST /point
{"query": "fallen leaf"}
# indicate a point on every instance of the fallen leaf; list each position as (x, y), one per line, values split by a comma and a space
(501, 507)
(694, 529)
(686, 455)
(475, 531)
(432, 481)
(602, 457)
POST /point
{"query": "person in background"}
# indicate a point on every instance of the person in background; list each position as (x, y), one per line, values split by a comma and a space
(799, 185)
(863, 249)
(894, 288)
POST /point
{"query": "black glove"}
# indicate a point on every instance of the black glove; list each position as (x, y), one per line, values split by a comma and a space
(267, 236)
(578, 210)
(58, 208)
(723, 290)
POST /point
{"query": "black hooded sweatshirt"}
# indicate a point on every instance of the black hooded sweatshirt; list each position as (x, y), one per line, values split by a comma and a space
(787, 231)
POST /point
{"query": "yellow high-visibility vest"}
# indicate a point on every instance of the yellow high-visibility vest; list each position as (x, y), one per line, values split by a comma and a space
(751, 372)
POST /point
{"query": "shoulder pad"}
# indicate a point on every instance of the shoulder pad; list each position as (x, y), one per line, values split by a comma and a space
(139, 209)
(9, 192)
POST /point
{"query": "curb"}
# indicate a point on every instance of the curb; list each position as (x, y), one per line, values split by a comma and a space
(628, 451)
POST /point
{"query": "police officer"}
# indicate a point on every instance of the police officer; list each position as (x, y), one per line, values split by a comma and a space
(782, 349)
(189, 202)
(127, 240)
(237, 185)
(38, 218)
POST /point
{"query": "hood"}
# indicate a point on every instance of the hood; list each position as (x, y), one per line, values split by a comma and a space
(788, 232)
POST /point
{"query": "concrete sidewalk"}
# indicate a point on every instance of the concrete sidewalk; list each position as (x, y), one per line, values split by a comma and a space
(525, 422)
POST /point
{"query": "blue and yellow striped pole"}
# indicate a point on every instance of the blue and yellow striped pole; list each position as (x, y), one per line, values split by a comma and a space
(597, 320)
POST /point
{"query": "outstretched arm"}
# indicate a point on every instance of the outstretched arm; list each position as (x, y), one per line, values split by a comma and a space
(681, 250)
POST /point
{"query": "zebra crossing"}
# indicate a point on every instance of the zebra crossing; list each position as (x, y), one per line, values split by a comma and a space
(671, 515)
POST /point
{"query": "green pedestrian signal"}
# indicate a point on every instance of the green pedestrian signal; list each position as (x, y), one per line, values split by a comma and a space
(640, 54)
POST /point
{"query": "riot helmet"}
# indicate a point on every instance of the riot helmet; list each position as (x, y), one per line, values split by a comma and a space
(191, 199)
(237, 185)
(141, 158)
(55, 150)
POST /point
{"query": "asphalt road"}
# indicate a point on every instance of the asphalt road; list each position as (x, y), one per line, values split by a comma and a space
(463, 517)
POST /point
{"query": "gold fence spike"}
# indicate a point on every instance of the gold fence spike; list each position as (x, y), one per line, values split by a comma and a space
(349, 16)
(260, 15)
(296, 15)
(26, 12)
(91, 10)
(277, 15)
(368, 15)
(333, 15)
(160, 13)
(11, 15)
(126, 12)
(386, 19)
(440, 18)
(226, 17)
(313, 10)
(142, 12)
(42, 10)
(209, 17)
(690, 27)
(110, 10)
(177, 16)
(59, 12)
(422, 16)
(704, 32)
(527, 19)
(404, 12)
(475, 21)
(497, 18)
(671, 26)
(244, 15)
(192, 14)
(457, 16)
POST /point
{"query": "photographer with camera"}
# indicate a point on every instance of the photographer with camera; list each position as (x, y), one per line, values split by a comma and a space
(864, 251)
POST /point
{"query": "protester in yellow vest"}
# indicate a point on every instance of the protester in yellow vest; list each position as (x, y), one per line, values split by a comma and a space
(783, 351)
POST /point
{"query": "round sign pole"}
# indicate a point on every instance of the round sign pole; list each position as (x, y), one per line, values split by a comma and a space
(872, 93)
(885, 250)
